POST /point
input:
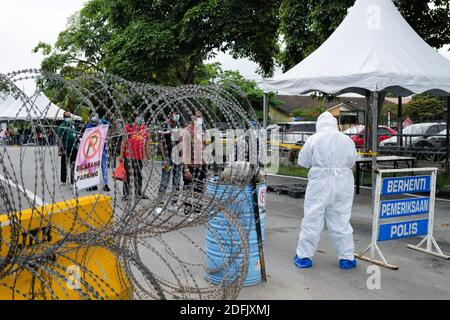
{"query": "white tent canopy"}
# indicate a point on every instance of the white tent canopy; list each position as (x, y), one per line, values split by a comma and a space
(373, 50)
(38, 107)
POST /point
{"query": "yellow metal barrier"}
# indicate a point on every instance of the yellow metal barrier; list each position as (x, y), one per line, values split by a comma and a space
(72, 271)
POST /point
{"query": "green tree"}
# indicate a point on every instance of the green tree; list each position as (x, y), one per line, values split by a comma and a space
(4, 88)
(208, 73)
(383, 114)
(309, 114)
(79, 48)
(425, 107)
(254, 95)
(164, 41)
(306, 24)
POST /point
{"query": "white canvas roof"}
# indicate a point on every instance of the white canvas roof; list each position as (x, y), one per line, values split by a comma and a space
(38, 108)
(374, 49)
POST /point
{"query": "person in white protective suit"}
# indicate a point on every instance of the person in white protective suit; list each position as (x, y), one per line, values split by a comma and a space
(330, 155)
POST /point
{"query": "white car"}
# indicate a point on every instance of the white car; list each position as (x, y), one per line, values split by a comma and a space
(418, 132)
(354, 130)
(296, 133)
(439, 140)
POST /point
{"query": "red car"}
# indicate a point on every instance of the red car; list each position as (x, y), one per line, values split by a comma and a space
(384, 133)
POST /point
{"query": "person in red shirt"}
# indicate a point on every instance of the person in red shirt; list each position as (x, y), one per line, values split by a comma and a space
(134, 151)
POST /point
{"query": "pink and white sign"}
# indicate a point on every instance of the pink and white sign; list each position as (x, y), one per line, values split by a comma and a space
(88, 166)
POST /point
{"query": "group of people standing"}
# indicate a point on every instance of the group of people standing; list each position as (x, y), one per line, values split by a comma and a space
(6, 135)
(37, 135)
(329, 154)
(130, 143)
(181, 150)
(68, 138)
(132, 153)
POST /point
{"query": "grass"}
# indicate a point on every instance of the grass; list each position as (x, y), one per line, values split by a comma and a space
(303, 173)
(442, 179)
(290, 171)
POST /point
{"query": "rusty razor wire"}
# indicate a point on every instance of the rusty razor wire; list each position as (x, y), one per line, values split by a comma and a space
(137, 238)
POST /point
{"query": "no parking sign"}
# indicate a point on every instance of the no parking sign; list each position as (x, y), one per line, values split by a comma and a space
(413, 216)
(89, 157)
(262, 193)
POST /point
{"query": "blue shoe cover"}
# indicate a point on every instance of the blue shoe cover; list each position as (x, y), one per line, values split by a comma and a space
(303, 263)
(347, 264)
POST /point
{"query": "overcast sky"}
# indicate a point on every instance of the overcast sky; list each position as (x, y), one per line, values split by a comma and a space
(23, 23)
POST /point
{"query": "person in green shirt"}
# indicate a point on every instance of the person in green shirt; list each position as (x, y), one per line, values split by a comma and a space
(68, 146)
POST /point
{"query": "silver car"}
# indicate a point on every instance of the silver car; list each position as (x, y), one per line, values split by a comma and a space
(296, 133)
(415, 133)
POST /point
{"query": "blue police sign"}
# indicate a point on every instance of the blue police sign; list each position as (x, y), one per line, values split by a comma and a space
(404, 229)
(406, 185)
(404, 207)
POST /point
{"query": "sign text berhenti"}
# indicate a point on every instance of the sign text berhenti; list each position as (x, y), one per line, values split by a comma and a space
(403, 208)
(391, 209)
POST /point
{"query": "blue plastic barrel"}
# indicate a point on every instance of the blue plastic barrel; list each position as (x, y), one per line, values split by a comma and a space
(223, 245)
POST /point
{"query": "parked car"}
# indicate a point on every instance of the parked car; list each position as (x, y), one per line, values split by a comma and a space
(418, 132)
(384, 133)
(353, 130)
(272, 128)
(296, 133)
(438, 141)
(429, 146)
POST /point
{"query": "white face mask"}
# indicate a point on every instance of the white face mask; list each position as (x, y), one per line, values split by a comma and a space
(140, 121)
(176, 117)
(199, 122)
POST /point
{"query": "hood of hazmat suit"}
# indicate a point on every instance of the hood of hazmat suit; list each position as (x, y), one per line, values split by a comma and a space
(330, 155)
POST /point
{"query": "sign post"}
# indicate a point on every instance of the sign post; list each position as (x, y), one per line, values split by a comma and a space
(260, 207)
(391, 219)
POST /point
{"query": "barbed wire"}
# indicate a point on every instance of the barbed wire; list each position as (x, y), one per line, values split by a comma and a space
(54, 245)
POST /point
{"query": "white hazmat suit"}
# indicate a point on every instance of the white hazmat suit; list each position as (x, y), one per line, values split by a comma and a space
(331, 156)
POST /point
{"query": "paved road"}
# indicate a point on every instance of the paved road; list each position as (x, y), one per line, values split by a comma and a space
(420, 276)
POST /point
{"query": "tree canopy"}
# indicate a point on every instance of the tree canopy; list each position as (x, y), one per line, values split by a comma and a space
(164, 41)
(425, 107)
(422, 108)
(167, 41)
(253, 94)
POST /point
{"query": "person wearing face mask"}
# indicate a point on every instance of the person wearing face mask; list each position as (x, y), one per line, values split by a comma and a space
(68, 147)
(330, 155)
(134, 151)
(116, 141)
(169, 137)
(96, 121)
(194, 168)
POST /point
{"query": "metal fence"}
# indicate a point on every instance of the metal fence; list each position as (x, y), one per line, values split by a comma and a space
(434, 148)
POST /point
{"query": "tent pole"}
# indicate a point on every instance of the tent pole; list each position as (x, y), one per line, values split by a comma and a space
(265, 109)
(366, 125)
(447, 140)
(375, 96)
(400, 122)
